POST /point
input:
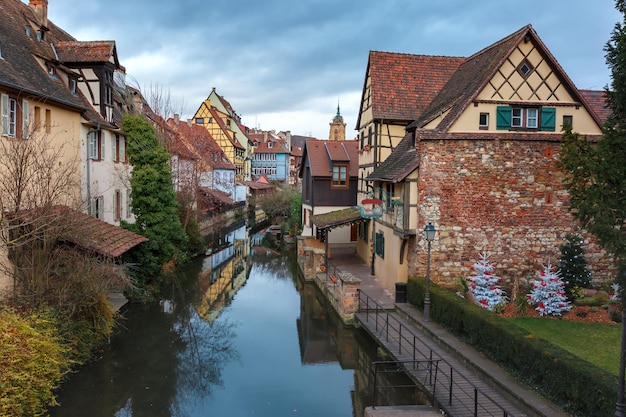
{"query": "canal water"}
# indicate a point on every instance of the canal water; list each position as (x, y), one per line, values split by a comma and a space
(238, 334)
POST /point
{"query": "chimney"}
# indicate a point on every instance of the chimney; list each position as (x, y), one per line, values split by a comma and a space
(176, 118)
(40, 7)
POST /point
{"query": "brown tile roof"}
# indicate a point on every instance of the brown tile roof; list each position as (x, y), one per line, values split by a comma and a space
(277, 147)
(90, 51)
(85, 231)
(19, 70)
(200, 142)
(596, 99)
(476, 71)
(222, 126)
(399, 164)
(217, 195)
(402, 85)
(256, 185)
(320, 154)
(103, 238)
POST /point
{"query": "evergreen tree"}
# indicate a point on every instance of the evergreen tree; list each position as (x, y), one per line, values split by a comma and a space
(548, 293)
(573, 266)
(153, 202)
(596, 179)
(484, 284)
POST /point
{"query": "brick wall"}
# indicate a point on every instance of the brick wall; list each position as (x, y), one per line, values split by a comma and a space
(504, 197)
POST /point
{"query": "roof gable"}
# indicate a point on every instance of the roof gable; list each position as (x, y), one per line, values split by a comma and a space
(492, 75)
(400, 86)
(321, 154)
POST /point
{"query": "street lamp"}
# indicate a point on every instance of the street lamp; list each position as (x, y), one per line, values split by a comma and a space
(429, 234)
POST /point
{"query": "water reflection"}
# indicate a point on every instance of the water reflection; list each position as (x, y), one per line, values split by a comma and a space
(238, 334)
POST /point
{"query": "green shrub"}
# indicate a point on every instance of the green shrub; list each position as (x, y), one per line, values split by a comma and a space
(31, 363)
(533, 360)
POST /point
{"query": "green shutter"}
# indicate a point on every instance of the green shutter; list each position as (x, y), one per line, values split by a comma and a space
(503, 117)
(548, 118)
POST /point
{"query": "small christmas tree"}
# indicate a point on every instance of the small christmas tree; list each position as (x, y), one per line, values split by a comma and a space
(548, 293)
(573, 266)
(484, 284)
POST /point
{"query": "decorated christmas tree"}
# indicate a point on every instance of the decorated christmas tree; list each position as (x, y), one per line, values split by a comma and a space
(484, 284)
(548, 293)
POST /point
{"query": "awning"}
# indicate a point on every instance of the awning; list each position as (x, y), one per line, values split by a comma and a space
(337, 218)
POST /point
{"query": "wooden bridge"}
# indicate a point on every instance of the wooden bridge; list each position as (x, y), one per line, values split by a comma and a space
(453, 387)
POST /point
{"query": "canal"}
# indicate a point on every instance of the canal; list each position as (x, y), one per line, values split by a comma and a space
(237, 334)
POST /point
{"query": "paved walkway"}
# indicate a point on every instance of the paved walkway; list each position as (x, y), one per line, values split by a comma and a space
(445, 345)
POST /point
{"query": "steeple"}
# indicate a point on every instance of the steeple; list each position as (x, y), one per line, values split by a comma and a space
(337, 127)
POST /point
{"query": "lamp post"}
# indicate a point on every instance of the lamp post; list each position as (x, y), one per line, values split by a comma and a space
(429, 234)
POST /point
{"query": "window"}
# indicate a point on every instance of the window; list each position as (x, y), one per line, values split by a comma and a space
(199, 120)
(48, 121)
(379, 245)
(72, 84)
(11, 113)
(568, 121)
(37, 121)
(115, 145)
(108, 88)
(340, 176)
(535, 118)
(483, 121)
(97, 207)
(270, 144)
(525, 69)
(95, 145)
(118, 205)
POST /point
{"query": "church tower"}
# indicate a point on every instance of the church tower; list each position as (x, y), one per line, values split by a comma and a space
(337, 127)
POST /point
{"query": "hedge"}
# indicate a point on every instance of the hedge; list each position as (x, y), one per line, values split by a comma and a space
(576, 385)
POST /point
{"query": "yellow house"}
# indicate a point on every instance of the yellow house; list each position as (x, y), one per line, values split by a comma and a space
(223, 128)
(478, 162)
(60, 101)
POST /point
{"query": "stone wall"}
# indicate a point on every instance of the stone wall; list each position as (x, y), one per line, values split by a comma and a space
(502, 197)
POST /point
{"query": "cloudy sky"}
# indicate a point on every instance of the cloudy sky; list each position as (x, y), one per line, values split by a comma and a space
(285, 64)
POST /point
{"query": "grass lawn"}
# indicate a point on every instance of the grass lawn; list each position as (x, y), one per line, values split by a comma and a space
(598, 343)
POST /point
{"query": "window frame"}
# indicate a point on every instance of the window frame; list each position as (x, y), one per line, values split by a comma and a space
(336, 176)
(483, 125)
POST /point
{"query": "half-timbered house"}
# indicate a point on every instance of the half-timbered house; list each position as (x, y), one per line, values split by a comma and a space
(478, 161)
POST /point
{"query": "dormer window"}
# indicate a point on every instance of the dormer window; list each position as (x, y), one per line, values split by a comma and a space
(340, 176)
(52, 71)
(270, 144)
(72, 84)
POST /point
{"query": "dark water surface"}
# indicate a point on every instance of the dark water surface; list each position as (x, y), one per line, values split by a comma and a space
(239, 335)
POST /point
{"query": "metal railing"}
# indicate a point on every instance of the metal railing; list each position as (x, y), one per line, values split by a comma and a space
(427, 370)
(457, 388)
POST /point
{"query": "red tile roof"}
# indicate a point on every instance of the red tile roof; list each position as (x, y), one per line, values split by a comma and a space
(476, 71)
(86, 231)
(200, 142)
(321, 154)
(222, 126)
(277, 147)
(596, 99)
(402, 85)
(90, 51)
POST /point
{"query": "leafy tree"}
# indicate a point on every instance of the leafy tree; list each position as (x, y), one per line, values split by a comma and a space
(154, 203)
(573, 266)
(596, 173)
